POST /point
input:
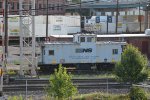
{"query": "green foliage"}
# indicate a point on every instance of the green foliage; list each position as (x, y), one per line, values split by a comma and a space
(102, 96)
(148, 70)
(132, 67)
(137, 93)
(15, 98)
(61, 85)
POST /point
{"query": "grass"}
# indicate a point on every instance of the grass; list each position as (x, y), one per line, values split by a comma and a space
(86, 76)
(101, 96)
(91, 96)
(96, 75)
(15, 97)
(148, 94)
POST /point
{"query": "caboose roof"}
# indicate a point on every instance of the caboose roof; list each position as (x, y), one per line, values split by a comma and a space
(72, 43)
(105, 36)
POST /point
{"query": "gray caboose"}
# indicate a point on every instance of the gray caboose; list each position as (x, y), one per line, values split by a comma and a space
(84, 52)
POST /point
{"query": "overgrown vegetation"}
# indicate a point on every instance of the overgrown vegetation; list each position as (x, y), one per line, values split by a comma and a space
(16, 98)
(91, 96)
(91, 76)
(61, 86)
(137, 93)
(87, 76)
(102, 96)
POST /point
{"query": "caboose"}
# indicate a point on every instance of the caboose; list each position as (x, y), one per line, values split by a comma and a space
(84, 52)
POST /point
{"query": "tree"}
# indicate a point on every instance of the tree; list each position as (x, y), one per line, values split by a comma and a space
(132, 67)
(61, 85)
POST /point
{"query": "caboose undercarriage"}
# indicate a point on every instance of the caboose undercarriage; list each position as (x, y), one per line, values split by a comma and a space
(79, 66)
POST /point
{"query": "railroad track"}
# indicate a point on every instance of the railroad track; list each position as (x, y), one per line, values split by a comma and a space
(40, 84)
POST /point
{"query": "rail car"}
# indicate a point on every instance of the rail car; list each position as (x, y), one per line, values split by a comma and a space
(84, 52)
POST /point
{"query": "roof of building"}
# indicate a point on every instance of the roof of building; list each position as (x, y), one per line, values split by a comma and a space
(105, 4)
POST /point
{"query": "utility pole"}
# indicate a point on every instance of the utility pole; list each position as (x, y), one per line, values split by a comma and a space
(140, 15)
(81, 18)
(47, 21)
(117, 11)
(5, 31)
(34, 67)
(21, 38)
(148, 20)
(4, 44)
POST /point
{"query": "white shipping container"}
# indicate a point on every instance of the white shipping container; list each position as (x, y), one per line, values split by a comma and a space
(57, 25)
(63, 25)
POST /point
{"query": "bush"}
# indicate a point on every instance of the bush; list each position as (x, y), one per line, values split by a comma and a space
(16, 98)
(61, 85)
(137, 93)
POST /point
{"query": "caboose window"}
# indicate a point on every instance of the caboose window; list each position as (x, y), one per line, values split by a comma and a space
(82, 39)
(115, 51)
(51, 52)
(89, 39)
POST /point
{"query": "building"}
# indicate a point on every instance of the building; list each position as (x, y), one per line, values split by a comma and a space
(54, 7)
(107, 7)
(111, 8)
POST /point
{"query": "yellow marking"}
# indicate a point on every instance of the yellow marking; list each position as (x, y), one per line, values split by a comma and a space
(113, 60)
(1, 72)
(54, 61)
